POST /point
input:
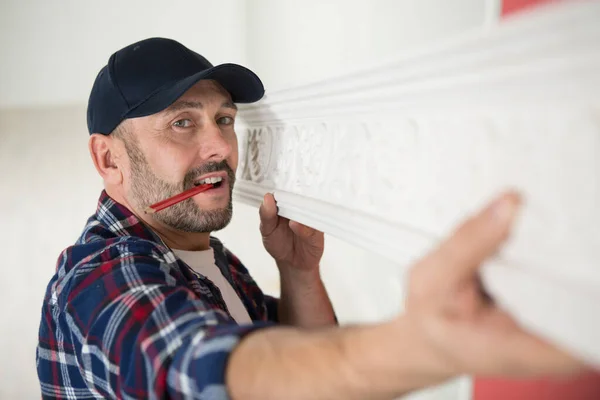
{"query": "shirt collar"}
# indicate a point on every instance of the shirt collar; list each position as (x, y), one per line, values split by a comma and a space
(120, 221)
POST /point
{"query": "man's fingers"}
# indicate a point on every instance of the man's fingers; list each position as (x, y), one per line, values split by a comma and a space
(475, 240)
(268, 215)
(304, 231)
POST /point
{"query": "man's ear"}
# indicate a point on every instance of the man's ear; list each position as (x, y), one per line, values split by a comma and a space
(104, 154)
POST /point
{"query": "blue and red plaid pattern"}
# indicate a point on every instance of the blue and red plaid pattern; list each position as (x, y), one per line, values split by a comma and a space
(123, 317)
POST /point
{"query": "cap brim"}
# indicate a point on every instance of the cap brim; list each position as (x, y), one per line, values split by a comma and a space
(243, 85)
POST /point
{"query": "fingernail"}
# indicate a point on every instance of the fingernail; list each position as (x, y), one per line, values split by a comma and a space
(504, 208)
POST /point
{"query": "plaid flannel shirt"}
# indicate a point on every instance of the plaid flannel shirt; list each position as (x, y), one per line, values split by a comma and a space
(123, 317)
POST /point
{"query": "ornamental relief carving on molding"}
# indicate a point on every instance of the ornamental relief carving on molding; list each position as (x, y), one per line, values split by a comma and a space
(426, 173)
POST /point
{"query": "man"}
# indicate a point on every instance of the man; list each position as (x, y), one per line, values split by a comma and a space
(151, 306)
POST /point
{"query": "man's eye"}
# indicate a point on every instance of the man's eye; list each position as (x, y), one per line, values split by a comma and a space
(225, 121)
(182, 123)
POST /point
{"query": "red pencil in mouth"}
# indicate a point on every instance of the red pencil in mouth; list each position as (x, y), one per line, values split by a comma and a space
(161, 205)
(206, 182)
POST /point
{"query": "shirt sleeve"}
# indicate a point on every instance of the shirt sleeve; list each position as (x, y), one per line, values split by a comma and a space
(140, 332)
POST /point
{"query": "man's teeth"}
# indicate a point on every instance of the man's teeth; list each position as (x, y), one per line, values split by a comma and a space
(214, 179)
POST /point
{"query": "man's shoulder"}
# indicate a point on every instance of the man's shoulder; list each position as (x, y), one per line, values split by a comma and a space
(118, 258)
(116, 249)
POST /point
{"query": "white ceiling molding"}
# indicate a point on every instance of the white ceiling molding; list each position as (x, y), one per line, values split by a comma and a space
(393, 157)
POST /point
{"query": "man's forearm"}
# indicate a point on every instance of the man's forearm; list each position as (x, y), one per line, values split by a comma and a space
(304, 300)
(341, 363)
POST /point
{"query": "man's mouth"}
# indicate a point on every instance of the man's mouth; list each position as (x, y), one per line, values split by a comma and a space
(216, 181)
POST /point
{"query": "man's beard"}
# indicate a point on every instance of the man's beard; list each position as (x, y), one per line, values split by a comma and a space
(148, 189)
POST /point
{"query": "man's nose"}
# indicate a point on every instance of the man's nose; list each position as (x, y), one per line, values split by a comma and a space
(214, 146)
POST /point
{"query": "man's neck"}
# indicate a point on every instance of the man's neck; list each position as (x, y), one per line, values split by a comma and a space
(176, 239)
(173, 238)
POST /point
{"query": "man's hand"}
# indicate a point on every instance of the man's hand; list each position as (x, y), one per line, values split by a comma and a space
(458, 320)
(290, 243)
(297, 250)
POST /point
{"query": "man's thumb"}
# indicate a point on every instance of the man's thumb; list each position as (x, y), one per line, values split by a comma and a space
(268, 215)
(477, 238)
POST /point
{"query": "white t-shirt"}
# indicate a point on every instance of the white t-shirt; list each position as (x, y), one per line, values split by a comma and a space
(203, 262)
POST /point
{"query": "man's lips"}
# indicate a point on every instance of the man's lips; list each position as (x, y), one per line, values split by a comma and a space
(215, 178)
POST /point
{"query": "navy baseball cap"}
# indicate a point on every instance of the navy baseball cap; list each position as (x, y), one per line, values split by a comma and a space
(148, 76)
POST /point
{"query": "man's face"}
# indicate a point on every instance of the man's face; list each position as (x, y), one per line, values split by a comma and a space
(174, 150)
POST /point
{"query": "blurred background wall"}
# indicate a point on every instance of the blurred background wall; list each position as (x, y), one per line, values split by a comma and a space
(50, 54)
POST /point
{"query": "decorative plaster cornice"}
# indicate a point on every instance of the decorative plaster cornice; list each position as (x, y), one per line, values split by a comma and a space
(391, 158)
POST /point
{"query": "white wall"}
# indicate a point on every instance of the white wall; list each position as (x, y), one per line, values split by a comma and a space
(293, 42)
(49, 188)
(52, 50)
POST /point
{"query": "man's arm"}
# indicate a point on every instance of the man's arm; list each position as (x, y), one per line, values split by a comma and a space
(375, 362)
(297, 250)
(450, 328)
(304, 300)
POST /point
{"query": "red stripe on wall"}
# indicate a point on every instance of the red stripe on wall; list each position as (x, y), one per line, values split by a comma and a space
(513, 6)
(586, 387)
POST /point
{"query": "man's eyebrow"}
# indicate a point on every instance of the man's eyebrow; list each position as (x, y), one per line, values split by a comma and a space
(184, 104)
(229, 104)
